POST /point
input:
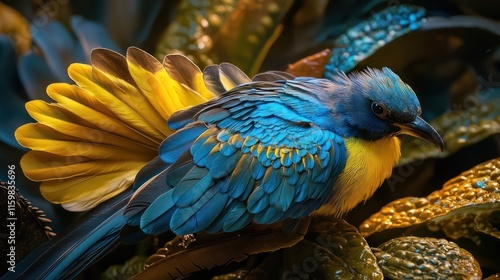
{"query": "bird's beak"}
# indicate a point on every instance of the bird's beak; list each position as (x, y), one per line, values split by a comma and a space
(421, 129)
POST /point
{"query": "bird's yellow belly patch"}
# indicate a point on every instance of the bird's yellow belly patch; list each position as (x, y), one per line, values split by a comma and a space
(368, 165)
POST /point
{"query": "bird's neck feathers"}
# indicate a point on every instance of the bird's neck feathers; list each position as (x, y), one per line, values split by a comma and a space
(368, 164)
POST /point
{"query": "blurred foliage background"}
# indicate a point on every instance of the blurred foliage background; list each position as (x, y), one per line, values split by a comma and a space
(447, 51)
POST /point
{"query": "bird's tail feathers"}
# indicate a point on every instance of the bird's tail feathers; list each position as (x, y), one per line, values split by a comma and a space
(79, 246)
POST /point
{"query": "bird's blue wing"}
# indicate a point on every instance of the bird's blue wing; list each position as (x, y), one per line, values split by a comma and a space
(252, 157)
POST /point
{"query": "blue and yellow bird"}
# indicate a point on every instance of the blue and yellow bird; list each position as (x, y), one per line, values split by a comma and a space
(262, 151)
(278, 147)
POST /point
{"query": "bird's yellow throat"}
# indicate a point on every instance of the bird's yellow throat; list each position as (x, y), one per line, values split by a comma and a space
(368, 164)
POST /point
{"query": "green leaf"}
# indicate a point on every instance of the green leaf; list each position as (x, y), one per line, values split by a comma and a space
(332, 249)
(413, 257)
(461, 208)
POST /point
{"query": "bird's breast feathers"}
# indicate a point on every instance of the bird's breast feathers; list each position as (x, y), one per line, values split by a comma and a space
(368, 164)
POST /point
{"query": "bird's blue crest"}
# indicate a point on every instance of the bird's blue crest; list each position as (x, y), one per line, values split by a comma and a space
(352, 97)
(385, 86)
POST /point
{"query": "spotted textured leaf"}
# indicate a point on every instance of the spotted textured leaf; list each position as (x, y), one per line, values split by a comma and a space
(237, 275)
(332, 249)
(366, 37)
(493, 277)
(468, 222)
(413, 257)
(474, 192)
(458, 129)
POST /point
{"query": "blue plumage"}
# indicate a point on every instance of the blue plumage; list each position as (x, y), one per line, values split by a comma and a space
(257, 200)
(156, 218)
(258, 169)
(274, 148)
(268, 150)
(272, 180)
(175, 145)
(192, 186)
(143, 196)
(201, 154)
(282, 196)
(241, 179)
(200, 215)
(237, 218)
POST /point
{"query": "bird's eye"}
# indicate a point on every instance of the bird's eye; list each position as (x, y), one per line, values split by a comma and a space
(379, 109)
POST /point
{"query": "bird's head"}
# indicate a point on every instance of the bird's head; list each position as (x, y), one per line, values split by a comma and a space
(379, 104)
